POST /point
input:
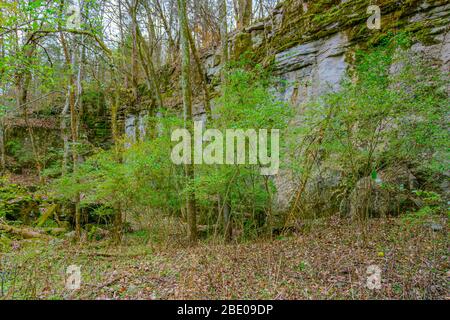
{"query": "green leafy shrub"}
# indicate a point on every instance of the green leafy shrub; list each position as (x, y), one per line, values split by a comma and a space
(14, 199)
(151, 190)
(392, 109)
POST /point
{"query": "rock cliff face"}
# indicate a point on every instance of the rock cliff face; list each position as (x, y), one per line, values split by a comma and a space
(311, 45)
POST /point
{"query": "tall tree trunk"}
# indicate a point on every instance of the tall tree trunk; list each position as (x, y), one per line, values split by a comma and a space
(202, 74)
(115, 104)
(224, 34)
(166, 24)
(122, 45)
(2, 124)
(245, 13)
(228, 228)
(134, 49)
(70, 63)
(149, 67)
(2, 147)
(23, 80)
(187, 104)
(154, 46)
(65, 134)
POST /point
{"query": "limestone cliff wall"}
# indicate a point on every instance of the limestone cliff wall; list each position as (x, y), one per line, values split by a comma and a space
(311, 45)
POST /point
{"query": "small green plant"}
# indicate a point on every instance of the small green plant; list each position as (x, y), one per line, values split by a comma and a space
(302, 267)
(431, 207)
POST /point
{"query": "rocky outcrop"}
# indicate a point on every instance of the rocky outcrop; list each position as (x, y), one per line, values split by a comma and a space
(310, 45)
(313, 68)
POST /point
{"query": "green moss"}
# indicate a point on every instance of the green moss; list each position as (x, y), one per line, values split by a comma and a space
(243, 43)
(327, 17)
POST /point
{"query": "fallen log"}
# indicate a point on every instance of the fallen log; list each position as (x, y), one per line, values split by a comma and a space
(23, 232)
(56, 232)
(48, 212)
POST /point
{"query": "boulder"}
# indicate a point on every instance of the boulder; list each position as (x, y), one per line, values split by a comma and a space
(387, 195)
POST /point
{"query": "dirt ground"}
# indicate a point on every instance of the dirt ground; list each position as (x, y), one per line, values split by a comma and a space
(332, 259)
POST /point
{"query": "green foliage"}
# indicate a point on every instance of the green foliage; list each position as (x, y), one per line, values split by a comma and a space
(143, 180)
(3, 111)
(391, 109)
(13, 198)
(139, 179)
(246, 102)
(431, 207)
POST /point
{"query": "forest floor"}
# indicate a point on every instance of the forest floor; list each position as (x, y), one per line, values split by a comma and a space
(328, 260)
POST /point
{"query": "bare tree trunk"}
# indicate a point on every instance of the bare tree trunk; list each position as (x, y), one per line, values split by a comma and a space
(261, 9)
(118, 220)
(223, 34)
(187, 103)
(245, 13)
(70, 62)
(155, 47)
(166, 24)
(2, 122)
(2, 146)
(23, 80)
(122, 43)
(79, 80)
(228, 231)
(134, 50)
(202, 75)
(149, 67)
(228, 227)
(65, 134)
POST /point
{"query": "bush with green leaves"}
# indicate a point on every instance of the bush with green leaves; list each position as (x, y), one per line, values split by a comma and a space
(132, 177)
(246, 102)
(144, 183)
(14, 200)
(391, 109)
